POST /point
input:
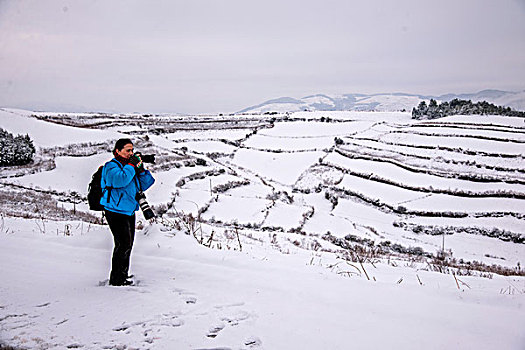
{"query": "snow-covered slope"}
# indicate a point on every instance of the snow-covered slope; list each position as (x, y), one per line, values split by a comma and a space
(381, 102)
(191, 297)
(513, 100)
(46, 134)
(306, 230)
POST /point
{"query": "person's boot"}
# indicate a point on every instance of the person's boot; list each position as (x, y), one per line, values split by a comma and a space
(125, 282)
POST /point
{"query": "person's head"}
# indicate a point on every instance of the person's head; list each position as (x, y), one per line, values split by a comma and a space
(123, 148)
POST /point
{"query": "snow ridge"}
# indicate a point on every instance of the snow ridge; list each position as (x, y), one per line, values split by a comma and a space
(381, 101)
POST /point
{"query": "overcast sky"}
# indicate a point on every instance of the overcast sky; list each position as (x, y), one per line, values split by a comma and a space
(211, 56)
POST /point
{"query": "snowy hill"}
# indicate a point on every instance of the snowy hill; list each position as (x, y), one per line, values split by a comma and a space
(302, 230)
(381, 102)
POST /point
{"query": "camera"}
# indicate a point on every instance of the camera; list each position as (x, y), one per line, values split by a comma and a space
(146, 158)
(144, 206)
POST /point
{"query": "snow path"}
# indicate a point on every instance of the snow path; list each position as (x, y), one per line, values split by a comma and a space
(192, 297)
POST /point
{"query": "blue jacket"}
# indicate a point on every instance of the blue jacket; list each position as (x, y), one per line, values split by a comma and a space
(120, 182)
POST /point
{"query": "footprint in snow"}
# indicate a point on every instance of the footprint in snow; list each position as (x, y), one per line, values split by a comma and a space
(189, 298)
(236, 318)
(253, 343)
(152, 326)
(214, 331)
(43, 305)
(231, 320)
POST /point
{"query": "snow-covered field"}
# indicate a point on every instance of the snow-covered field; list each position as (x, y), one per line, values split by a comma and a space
(293, 231)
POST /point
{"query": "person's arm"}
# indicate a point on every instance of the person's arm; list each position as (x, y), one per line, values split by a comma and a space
(146, 179)
(117, 177)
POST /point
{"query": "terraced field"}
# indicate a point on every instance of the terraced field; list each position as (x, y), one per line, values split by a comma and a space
(401, 181)
(456, 183)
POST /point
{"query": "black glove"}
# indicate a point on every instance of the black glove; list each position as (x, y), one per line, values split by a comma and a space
(135, 161)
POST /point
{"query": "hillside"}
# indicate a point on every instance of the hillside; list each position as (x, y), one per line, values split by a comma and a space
(300, 230)
(381, 102)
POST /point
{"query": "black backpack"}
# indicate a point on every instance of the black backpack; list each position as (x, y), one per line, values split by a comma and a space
(95, 190)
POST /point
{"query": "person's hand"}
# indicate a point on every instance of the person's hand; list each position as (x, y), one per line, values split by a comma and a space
(136, 162)
(140, 166)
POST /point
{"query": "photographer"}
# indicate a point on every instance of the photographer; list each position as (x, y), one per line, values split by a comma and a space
(123, 180)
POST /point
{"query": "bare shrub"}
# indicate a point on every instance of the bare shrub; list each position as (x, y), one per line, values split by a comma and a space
(34, 205)
(357, 249)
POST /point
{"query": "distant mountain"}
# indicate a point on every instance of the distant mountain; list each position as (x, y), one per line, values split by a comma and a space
(381, 102)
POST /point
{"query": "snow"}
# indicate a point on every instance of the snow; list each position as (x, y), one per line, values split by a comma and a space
(289, 144)
(195, 194)
(246, 204)
(279, 108)
(383, 101)
(319, 99)
(241, 210)
(315, 129)
(282, 167)
(191, 200)
(513, 122)
(193, 297)
(303, 136)
(207, 146)
(508, 223)
(46, 134)
(257, 284)
(454, 132)
(208, 134)
(470, 144)
(165, 181)
(318, 176)
(285, 215)
(254, 190)
(514, 100)
(436, 155)
(406, 177)
(62, 178)
(391, 102)
(415, 200)
(358, 116)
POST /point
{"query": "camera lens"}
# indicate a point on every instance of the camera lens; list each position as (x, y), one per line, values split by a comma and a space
(148, 158)
(144, 206)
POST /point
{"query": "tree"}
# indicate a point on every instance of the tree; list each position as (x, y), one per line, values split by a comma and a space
(460, 107)
(15, 150)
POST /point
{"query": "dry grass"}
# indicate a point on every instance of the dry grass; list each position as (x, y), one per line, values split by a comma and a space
(35, 205)
(366, 251)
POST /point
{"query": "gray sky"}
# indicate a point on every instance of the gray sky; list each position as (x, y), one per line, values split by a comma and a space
(211, 56)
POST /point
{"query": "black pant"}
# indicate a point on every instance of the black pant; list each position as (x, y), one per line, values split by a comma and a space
(123, 229)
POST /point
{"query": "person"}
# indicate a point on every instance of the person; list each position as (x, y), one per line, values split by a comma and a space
(122, 178)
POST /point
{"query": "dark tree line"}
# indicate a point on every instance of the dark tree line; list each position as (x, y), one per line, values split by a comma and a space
(15, 150)
(460, 107)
